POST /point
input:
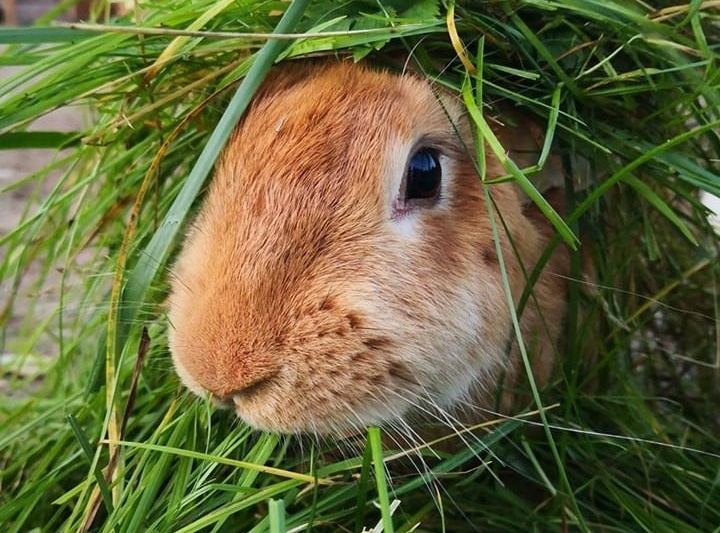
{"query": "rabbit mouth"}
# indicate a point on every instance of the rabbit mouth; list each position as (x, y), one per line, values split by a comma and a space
(269, 406)
(256, 389)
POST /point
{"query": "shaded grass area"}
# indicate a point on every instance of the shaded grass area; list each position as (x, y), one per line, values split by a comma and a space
(630, 87)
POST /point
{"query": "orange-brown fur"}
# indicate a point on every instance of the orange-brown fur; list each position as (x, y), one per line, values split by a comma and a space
(300, 299)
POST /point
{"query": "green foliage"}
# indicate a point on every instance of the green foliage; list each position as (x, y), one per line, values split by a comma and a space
(107, 440)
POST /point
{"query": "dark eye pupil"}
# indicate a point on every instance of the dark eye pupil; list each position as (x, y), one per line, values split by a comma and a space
(423, 175)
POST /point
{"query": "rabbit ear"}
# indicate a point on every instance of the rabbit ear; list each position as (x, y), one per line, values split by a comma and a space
(524, 140)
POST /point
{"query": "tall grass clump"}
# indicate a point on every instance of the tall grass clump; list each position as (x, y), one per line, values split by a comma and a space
(96, 433)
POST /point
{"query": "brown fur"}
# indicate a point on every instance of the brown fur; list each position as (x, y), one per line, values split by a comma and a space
(301, 298)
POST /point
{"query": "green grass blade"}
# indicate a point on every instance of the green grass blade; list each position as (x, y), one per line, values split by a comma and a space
(489, 137)
(39, 139)
(375, 442)
(89, 454)
(42, 35)
(276, 512)
(647, 193)
(157, 251)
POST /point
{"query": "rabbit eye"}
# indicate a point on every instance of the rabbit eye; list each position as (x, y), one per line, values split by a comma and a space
(423, 175)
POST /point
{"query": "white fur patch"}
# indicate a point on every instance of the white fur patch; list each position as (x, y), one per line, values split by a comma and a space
(712, 202)
(407, 225)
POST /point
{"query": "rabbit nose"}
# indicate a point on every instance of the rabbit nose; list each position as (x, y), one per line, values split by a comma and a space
(244, 389)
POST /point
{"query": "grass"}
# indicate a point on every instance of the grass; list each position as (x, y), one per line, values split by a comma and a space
(103, 438)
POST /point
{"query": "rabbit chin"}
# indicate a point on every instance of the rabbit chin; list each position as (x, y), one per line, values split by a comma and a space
(279, 407)
(273, 414)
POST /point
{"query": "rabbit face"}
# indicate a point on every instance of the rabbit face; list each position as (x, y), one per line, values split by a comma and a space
(342, 270)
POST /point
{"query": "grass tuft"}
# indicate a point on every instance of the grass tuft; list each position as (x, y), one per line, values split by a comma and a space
(96, 433)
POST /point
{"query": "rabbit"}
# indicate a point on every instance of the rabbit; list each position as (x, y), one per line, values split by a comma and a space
(342, 269)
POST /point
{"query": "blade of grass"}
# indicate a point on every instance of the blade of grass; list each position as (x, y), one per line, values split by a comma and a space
(177, 43)
(375, 443)
(568, 493)
(157, 251)
(39, 139)
(276, 511)
(623, 172)
(652, 198)
(245, 465)
(42, 35)
(263, 495)
(489, 137)
(363, 488)
(89, 454)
